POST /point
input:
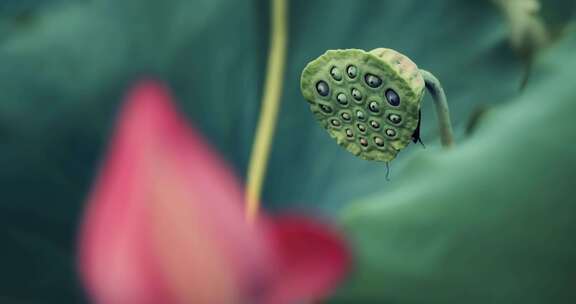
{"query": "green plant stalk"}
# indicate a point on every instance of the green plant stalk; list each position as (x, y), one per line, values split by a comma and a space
(442, 112)
(269, 108)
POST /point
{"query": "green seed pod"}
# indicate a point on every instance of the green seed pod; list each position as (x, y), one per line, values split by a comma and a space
(368, 101)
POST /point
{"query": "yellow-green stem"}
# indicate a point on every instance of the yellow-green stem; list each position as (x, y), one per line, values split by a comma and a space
(269, 108)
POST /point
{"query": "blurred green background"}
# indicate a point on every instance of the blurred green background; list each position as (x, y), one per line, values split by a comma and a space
(490, 221)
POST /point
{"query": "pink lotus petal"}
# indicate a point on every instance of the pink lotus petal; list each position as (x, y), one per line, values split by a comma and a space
(165, 224)
(312, 259)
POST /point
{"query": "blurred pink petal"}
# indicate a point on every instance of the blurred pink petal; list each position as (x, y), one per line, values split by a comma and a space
(312, 259)
(165, 224)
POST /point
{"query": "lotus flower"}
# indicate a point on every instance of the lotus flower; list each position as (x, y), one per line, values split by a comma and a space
(165, 224)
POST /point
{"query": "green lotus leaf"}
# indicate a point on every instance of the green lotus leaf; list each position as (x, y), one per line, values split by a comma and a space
(489, 221)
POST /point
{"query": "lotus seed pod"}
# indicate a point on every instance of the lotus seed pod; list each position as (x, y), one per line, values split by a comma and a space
(369, 102)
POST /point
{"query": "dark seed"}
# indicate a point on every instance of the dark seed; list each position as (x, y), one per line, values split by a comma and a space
(372, 80)
(361, 127)
(379, 141)
(356, 94)
(322, 88)
(352, 71)
(349, 133)
(360, 115)
(335, 73)
(392, 97)
(390, 132)
(335, 122)
(395, 118)
(325, 109)
(363, 142)
(345, 116)
(374, 124)
(342, 99)
(373, 106)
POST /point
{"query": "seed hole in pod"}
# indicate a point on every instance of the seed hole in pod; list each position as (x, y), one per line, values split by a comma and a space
(374, 124)
(361, 127)
(335, 122)
(392, 97)
(395, 118)
(342, 99)
(363, 142)
(372, 80)
(322, 88)
(360, 115)
(352, 71)
(373, 106)
(335, 73)
(379, 141)
(349, 133)
(326, 109)
(356, 94)
(345, 116)
(390, 132)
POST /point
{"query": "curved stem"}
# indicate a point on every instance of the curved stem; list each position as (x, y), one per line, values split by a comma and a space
(435, 88)
(269, 109)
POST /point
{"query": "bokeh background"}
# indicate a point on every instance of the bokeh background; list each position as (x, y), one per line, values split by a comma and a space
(490, 221)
